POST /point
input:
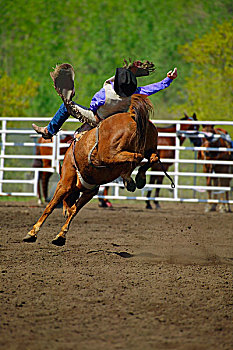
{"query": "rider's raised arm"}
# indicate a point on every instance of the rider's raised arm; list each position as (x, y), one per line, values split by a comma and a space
(153, 88)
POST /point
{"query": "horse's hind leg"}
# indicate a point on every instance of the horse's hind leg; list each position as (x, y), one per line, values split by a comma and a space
(69, 201)
(60, 193)
(60, 239)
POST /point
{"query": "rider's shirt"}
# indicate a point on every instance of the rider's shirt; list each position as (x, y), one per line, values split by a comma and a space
(107, 102)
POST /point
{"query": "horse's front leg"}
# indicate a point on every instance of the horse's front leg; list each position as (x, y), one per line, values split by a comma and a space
(132, 160)
(128, 181)
(141, 175)
(60, 239)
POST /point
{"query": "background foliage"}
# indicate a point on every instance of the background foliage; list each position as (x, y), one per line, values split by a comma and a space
(95, 37)
(210, 87)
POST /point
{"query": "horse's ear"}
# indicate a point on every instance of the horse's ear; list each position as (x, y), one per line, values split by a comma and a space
(185, 116)
(194, 116)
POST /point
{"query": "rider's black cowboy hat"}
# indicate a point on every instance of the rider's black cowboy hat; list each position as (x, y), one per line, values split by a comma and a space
(125, 82)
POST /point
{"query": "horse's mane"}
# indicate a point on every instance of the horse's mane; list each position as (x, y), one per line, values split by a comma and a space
(140, 108)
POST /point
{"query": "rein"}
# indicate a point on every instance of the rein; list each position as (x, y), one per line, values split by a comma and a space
(168, 176)
(83, 182)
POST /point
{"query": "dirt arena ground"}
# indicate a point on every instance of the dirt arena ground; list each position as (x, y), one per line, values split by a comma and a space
(127, 278)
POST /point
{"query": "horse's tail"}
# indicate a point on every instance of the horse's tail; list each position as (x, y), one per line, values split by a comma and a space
(140, 108)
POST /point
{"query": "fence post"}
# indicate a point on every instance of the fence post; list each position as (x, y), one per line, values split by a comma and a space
(36, 178)
(177, 155)
(57, 155)
(54, 153)
(2, 152)
(195, 178)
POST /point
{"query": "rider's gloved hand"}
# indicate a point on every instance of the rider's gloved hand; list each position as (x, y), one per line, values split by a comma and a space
(172, 74)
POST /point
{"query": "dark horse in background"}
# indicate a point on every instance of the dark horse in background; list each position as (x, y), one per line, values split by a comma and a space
(114, 148)
(216, 138)
(169, 153)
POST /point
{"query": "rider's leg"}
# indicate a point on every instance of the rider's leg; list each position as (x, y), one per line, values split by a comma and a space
(55, 124)
(58, 120)
(60, 117)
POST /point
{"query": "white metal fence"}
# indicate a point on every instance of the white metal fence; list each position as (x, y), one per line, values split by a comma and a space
(19, 178)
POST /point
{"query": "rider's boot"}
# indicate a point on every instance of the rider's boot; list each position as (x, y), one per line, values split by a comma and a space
(43, 131)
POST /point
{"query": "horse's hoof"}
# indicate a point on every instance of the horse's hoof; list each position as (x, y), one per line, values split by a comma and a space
(131, 186)
(140, 182)
(59, 241)
(148, 206)
(29, 238)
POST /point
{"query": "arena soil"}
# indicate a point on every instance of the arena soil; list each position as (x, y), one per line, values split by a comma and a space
(127, 278)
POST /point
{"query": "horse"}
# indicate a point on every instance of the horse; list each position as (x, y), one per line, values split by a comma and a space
(216, 138)
(114, 148)
(44, 176)
(168, 153)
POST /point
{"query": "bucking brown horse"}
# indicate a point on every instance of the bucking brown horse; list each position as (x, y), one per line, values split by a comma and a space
(114, 148)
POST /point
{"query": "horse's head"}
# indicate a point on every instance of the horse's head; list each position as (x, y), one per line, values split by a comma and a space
(191, 127)
(194, 127)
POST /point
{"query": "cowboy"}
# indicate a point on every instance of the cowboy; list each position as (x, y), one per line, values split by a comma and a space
(113, 98)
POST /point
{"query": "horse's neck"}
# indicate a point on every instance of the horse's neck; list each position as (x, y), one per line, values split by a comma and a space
(171, 129)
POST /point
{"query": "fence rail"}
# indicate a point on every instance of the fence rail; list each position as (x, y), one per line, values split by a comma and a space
(19, 178)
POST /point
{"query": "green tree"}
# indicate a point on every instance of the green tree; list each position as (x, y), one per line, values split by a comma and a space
(208, 91)
(95, 37)
(14, 97)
